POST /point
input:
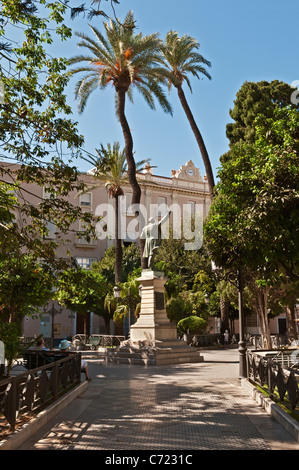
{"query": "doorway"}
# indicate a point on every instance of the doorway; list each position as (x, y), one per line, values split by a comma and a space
(83, 324)
(282, 326)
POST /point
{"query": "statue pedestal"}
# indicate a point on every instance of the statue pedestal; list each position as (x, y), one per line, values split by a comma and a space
(153, 338)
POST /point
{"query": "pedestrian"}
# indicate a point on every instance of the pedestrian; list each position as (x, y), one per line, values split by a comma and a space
(64, 346)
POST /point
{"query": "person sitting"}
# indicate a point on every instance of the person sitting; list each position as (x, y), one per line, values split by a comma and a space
(40, 344)
(64, 346)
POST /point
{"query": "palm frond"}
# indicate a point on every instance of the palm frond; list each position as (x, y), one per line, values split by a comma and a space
(123, 58)
(181, 57)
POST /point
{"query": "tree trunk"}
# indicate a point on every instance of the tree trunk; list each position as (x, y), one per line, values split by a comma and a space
(136, 191)
(107, 325)
(224, 315)
(199, 140)
(262, 313)
(118, 247)
(128, 147)
(291, 321)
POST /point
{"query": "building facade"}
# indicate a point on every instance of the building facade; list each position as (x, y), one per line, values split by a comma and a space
(184, 192)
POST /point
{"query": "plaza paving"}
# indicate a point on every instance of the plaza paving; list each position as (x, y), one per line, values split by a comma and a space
(161, 408)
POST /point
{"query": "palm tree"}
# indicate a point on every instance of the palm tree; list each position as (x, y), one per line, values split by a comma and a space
(111, 168)
(182, 59)
(125, 60)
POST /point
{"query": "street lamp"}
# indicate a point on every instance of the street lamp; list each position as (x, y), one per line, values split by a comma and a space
(116, 292)
(52, 312)
(237, 279)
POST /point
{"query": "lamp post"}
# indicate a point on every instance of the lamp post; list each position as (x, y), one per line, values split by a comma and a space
(237, 279)
(242, 342)
(52, 312)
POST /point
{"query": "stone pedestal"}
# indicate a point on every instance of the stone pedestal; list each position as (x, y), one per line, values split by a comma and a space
(153, 338)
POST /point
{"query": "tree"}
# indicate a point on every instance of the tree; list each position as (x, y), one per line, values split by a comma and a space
(122, 59)
(106, 266)
(187, 303)
(10, 335)
(253, 221)
(129, 299)
(193, 325)
(36, 133)
(182, 59)
(83, 291)
(253, 99)
(179, 265)
(25, 285)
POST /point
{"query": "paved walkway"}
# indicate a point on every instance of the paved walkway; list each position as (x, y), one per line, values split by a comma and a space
(178, 407)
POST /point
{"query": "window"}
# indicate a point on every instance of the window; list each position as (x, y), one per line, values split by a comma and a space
(51, 228)
(85, 199)
(85, 263)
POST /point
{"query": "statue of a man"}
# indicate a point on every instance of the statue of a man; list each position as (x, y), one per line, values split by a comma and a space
(152, 235)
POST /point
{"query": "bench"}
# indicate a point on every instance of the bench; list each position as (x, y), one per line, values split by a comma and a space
(33, 359)
(93, 342)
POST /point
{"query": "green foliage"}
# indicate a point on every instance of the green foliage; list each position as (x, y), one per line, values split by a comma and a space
(121, 58)
(186, 304)
(129, 298)
(82, 290)
(25, 285)
(35, 131)
(10, 335)
(253, 99)
(179, 265)
(254, 218)
(253, 221)
(106, 266)
(182, 59)
(194, 325)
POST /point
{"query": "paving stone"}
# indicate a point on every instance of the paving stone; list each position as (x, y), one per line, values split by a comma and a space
(179, 407)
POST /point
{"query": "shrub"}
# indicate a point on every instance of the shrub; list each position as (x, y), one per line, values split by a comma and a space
(195, 325)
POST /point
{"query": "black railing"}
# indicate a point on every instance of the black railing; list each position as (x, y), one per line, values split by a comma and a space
(32, 391)
(280, 383)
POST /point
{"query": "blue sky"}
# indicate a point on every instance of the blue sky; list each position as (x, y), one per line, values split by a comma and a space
(244, 40)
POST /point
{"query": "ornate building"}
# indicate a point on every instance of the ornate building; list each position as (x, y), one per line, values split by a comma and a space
(184, 191)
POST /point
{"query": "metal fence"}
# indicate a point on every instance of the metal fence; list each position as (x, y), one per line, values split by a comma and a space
(273, 376)
(32, 391)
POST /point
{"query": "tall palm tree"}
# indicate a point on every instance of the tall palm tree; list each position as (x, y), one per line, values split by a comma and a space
(181, 58)
(125, 60)
(111, 168)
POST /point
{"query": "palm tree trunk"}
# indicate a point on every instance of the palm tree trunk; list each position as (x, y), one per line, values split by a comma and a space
(118, 247)
(128, 147)
(136, 191)
(199, 140)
